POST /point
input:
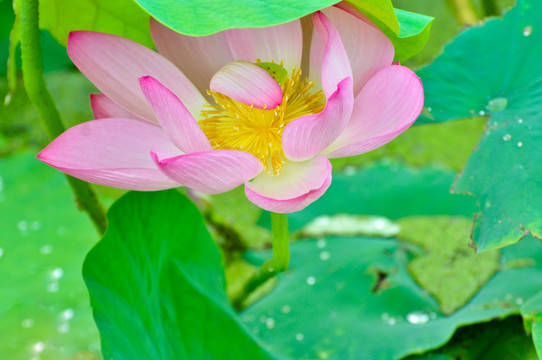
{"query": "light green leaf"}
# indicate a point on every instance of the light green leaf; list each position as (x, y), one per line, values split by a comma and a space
(157, 288)
(199, 18)
(43, 241)
(407, 31)
(495, 70)
(119, 17)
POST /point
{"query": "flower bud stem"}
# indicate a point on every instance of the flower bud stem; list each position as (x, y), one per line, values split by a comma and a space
(277, 264)
(40, 97)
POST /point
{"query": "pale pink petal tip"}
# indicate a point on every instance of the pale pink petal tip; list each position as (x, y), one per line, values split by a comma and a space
(368, 49)
(298, 185)
(114, 64)
(177, 121)
(335, 64)
(210, 172)
(247, 83)
(111, 152)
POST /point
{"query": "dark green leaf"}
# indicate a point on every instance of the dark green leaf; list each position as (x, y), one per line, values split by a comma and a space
(157, 288)
(502, 79)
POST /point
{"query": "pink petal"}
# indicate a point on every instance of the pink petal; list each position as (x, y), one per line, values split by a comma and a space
(103, 107)
(368, 49)
(211, 172)
(247, 83)
(335, 65)
(298, 185)
(308, 135)
(275, 43)
(113, 152)
(180, 125)
(198, 57)
(388, 104)
(115, 64)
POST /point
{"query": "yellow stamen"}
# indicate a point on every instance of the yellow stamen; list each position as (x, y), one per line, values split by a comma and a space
(236, 126)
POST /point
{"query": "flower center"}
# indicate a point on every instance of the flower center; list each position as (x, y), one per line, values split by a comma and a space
(233, 125)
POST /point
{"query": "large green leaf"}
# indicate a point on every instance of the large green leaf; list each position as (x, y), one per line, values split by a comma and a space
(352, 298)
(495, 70)
(119, 17)
(407, 31)
(156, 285)
(44, 308)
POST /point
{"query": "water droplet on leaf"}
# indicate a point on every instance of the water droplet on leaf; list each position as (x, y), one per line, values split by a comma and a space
(46, 249)
(527, 30)
(57, 273)
(321, 243)
(507, 137)
(63, 328)
(417, 318)
(311, 280)
(497, 104)
(324, 255)
(38, 347)
(27, 323)
(67, 314)
(270, 323)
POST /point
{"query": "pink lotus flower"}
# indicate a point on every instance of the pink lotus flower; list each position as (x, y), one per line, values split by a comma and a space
(269, 128)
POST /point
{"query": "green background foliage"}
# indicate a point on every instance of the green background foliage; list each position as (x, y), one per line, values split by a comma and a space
(415, 264)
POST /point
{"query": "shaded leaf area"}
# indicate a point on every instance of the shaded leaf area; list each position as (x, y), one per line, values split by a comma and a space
(54, 55)
(334, 302)
(496, 340)
(408, 31)
(120, 17)
(387, 189)
(447, 268)
(504, 172)
(20, 127)
(44, 303)
(157, 285)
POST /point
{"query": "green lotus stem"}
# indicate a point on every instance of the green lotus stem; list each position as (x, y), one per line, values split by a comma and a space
(278, 263)
(464, 11)
(14, 39)
(40, 97)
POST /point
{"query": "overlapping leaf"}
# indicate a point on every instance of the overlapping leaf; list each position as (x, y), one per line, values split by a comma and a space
(495, 70)
(334, 303)
(408, 31)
